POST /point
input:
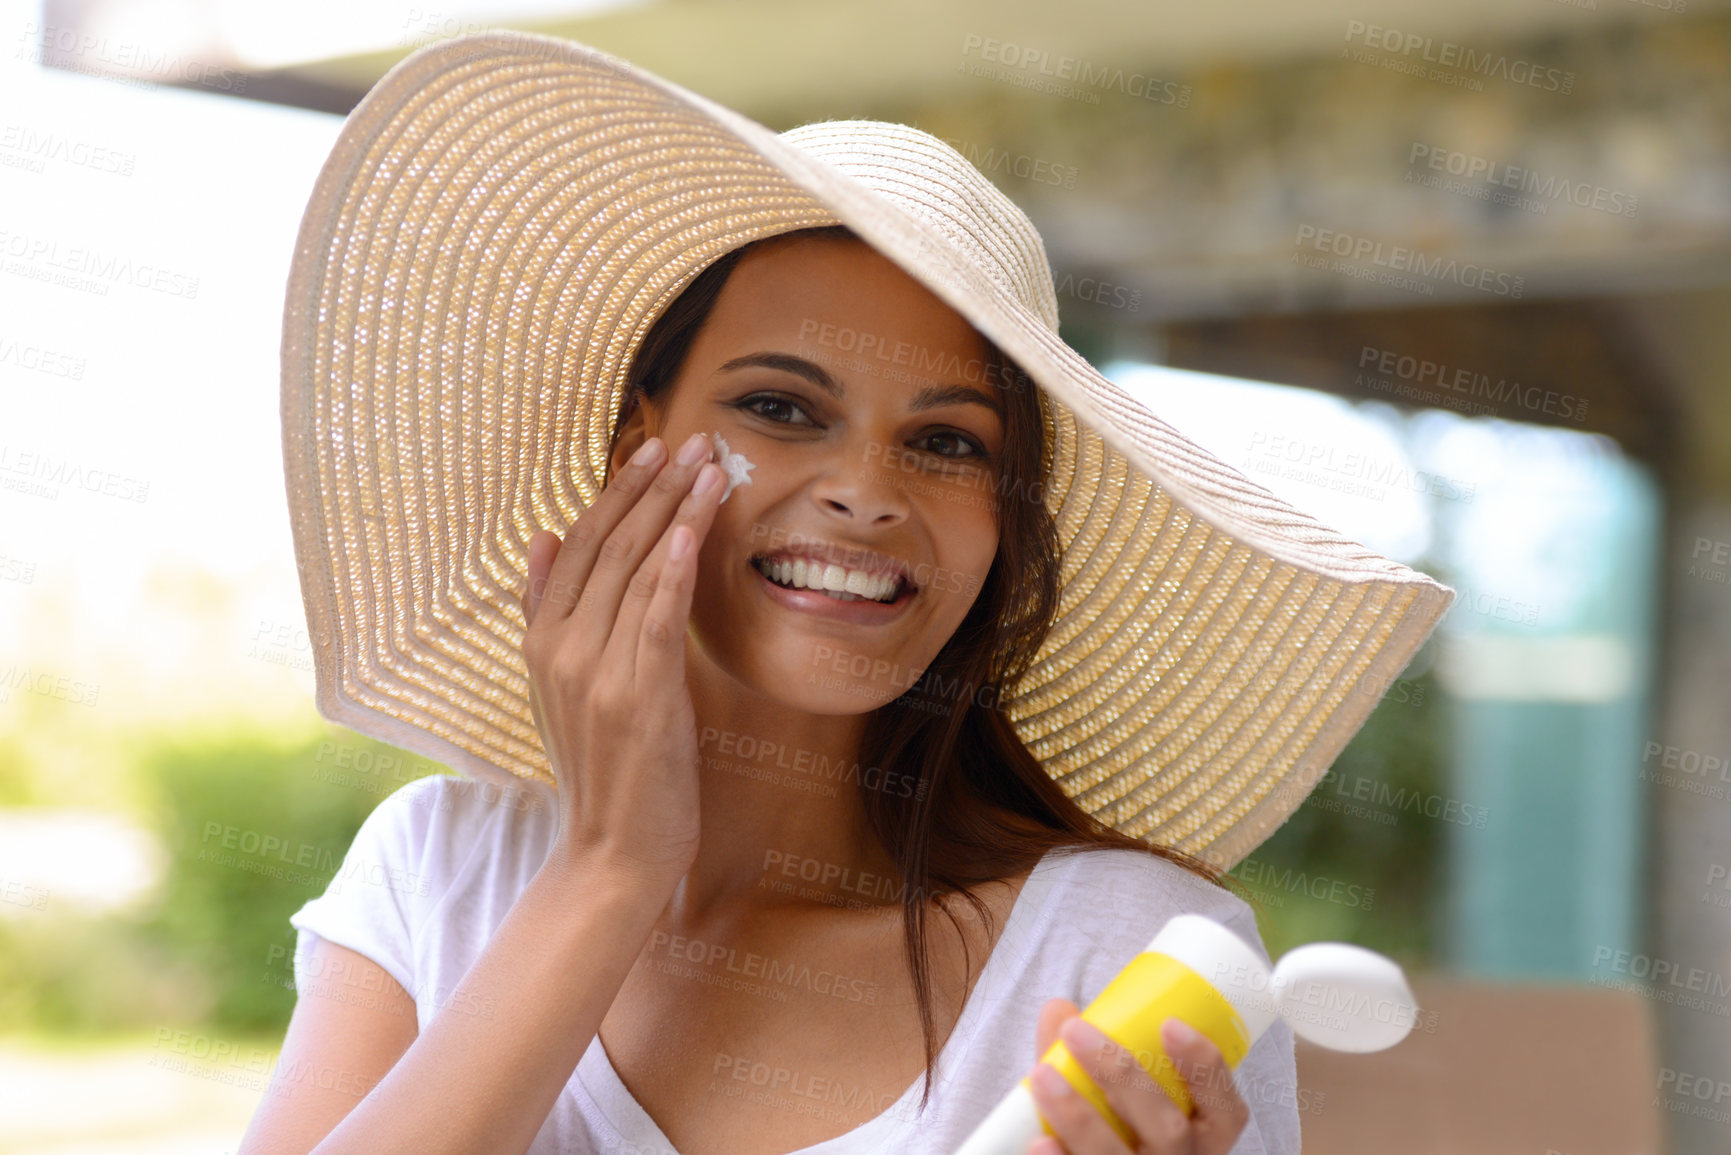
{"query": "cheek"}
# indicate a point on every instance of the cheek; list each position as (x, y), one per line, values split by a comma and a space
(967, 541)
(735, 533)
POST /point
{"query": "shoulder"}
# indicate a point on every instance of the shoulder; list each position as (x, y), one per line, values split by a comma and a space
(1137, 885)
(442, 821)
(1112, 901)
(465, 800)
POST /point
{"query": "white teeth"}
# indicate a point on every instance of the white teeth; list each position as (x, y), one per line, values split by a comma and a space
(832, 579)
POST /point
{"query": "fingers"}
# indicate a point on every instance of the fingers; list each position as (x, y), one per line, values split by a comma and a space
(660, 656)
(1052, 1016)
(594, 526)
(543, 548)
(607, 542)
(1158, 1125)
(1221, 1112)
(576, 555)
(1074, 1122)
(621, 554)
(649, 633)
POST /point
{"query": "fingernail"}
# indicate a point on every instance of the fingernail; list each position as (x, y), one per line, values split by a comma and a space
(694, 450)
(1051, 1081)
(1079, 1032)
(1178, 1033)
(707, 477)
(648, 453)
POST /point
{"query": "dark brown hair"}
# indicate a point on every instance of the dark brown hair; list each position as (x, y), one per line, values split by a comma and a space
(985, 808)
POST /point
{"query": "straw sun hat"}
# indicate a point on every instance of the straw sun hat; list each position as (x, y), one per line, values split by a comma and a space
(502, 219)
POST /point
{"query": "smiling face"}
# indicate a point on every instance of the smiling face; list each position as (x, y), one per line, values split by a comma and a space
(872, 420)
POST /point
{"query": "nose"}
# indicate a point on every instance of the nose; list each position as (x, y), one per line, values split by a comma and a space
(862, 484)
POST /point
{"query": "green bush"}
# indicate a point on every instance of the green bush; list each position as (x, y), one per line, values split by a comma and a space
(253, 828)
(1357, 862)
(254, 831)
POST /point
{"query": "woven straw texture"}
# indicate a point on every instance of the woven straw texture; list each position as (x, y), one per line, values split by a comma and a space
(501, 220)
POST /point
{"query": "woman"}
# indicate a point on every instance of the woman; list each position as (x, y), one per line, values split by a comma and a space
(802, 885)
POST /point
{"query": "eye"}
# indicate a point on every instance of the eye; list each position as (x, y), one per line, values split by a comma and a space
(977, 450)
(752, 404)
(766, 405)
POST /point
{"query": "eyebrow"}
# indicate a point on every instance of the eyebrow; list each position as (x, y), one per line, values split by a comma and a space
(930, 397)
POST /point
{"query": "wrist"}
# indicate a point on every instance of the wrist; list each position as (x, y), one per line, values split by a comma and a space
(612, 873)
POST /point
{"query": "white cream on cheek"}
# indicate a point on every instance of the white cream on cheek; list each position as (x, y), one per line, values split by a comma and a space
(734, 465)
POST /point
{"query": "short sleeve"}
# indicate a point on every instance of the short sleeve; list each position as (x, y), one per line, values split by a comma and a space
(1145, 893)
(375, 902)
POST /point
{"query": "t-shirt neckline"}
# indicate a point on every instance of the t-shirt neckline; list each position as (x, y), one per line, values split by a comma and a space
(636, 1127)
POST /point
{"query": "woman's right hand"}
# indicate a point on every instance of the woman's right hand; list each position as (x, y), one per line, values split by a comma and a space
(605, 648)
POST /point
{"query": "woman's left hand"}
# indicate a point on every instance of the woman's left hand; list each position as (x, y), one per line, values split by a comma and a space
(1160, 1125)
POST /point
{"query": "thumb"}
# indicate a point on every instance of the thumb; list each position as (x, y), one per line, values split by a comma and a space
(1052, 1017)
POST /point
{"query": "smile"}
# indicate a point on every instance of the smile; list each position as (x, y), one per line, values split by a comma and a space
(795, 594)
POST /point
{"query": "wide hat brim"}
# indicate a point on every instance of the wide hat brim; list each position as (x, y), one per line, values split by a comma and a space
(500, 221)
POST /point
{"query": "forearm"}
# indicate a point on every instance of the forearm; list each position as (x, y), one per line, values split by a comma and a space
(487, 1070)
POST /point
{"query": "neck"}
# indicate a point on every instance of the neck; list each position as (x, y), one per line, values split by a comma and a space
(779, 792)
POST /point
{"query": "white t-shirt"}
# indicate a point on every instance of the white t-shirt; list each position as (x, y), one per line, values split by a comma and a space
(438, 864)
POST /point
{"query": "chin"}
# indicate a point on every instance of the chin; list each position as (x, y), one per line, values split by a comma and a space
(829, 676)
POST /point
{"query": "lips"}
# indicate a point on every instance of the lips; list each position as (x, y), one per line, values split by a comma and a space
(861, 611)
(848, 557)
(789, 565)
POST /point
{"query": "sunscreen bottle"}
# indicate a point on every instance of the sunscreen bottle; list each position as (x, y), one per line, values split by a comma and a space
(1333, 994)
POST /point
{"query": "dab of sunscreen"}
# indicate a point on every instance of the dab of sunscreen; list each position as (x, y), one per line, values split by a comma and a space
(734, 465)
(1333, 994)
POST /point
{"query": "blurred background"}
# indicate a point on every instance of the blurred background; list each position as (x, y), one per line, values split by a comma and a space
(1454, 277)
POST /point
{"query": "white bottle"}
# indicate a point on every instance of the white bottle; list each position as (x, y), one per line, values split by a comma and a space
(1333, 994)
